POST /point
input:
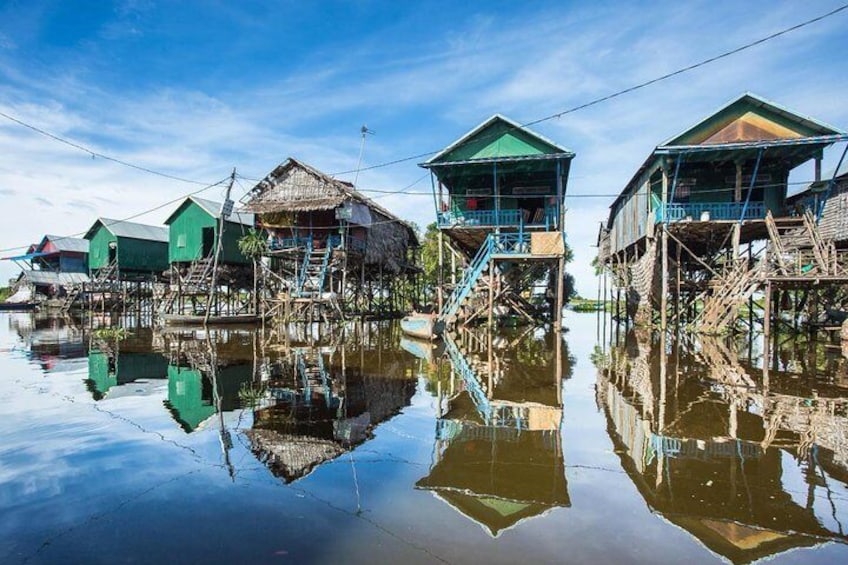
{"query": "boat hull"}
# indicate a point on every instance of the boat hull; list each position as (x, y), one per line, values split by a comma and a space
(422, 326)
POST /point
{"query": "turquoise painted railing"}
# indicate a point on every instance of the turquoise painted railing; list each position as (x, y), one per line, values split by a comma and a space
(711, 211)
(500, 244)
(469, 378)
(288, 242)
(497, 218)
(694, 449)
(301, 279)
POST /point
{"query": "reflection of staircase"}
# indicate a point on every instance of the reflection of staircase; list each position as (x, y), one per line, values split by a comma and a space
(313, 272)
(797, 248)
(473, 385)
(314, 376)
(730, 291)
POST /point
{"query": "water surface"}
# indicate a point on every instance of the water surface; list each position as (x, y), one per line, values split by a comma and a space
(311, 445)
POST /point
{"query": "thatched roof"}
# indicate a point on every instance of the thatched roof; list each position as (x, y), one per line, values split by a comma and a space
(296, 187)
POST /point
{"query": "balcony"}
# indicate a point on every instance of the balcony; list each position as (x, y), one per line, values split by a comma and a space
(518, 218)
(711, 211)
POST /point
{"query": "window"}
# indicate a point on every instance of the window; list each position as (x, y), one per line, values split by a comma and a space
(181, 240)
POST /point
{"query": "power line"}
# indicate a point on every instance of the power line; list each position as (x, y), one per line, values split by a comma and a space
(627, 90)
(97, 154)
(128, 218)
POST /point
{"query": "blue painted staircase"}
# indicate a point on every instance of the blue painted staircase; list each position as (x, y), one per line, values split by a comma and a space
(495, 244)
(313, 271)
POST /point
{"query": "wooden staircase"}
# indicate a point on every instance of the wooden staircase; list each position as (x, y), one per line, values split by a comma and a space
(194, 281)
(314, 272)
(729, 291)
(796, 247)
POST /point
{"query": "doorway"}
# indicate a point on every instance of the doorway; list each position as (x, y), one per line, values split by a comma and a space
(208, 241)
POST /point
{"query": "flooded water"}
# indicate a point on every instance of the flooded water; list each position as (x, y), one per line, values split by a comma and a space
(360, 446)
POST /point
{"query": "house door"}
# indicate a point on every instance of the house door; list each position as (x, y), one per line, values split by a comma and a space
(208, 241)
(113, 253)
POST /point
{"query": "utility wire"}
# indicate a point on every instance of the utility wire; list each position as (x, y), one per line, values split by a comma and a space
(97, 154)
(134, 216)
(557, 115)
(624, 91)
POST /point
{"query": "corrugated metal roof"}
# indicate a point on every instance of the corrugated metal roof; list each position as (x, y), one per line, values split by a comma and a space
(214, 208)
(51, 277)
(133, 230)
(487, 123)
(64, 243)
(806, 121)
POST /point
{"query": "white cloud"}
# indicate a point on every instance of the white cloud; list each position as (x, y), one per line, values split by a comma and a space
(418, 98)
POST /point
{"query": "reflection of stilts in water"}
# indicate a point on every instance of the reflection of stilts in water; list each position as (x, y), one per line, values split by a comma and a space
(209, 365)
(497, 460)
(713, 476)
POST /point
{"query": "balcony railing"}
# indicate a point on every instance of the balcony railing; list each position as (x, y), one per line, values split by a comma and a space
(498, 218)
(711, 211)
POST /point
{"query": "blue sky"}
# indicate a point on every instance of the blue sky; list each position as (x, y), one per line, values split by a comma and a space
(197, 88)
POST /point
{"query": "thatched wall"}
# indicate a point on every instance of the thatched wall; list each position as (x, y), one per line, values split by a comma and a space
(294, 188)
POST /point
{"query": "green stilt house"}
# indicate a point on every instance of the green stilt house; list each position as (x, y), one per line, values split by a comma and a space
(127, 250)
(499, 194)
(193, 232)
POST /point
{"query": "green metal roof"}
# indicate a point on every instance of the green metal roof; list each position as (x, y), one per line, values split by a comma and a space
(131, 230)
(750, 100)
(498, 139)
(213, 208)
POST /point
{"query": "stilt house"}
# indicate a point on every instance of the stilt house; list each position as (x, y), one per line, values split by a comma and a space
(193, 232)
(827, 198)
(499, 193)
(325, 237)
(681, 230)
(53, 266)
(127, 250)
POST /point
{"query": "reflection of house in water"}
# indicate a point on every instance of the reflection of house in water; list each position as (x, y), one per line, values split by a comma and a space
(326, 400)
(696, 436)
(56, 344)
(116, 363)
(498, 456)
(206, 375)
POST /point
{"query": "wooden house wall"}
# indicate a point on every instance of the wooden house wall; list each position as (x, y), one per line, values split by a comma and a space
(142, 255)
(834, 220)
(631, 218)
(73, 263)
(98, 250)
(185, 236)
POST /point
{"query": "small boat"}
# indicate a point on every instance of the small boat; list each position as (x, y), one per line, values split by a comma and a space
(426, 350)
(422, 326)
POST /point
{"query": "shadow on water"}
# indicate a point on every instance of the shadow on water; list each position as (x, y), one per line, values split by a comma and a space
(739, 457)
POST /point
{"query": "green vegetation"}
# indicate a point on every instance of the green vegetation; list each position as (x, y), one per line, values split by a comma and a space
(251, 393)
(253, 244)
(5, 292)
(110, 333)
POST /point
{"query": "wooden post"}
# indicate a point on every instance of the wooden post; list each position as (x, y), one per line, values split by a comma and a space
(560, 292)
(491, 294)
(766, 329)
(441, 280)
(664, 290)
